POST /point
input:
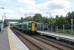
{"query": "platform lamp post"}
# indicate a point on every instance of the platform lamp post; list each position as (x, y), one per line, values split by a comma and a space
(2, 26)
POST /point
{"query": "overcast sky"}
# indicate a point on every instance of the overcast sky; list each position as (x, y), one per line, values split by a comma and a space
(15, 9)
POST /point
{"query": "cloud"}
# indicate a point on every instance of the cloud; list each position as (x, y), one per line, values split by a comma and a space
(59, 7)
(58, 12)
(8, 11)
(32, 2)
(55, 4)
(60, 4)
(13, 16)
(6, 1)
(53, 7)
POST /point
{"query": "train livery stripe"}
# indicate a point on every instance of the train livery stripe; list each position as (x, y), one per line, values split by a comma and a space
(11, 41)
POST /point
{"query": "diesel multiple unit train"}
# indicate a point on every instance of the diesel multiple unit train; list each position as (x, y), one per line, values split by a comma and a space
(31, 26)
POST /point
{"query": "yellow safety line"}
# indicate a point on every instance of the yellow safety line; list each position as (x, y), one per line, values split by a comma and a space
(11, 41)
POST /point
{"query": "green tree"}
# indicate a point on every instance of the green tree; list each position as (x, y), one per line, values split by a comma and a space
(37, 18)
(51, 21)
(45, 20)
(29, 18)
(70, 16)
(60, 20)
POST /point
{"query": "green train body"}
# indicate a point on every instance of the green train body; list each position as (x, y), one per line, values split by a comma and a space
(27, 26)
(31, 26)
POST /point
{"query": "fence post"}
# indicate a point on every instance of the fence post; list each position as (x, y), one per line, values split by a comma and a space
(63, 28)
(71, 25)
(56, 28)
(51, 28)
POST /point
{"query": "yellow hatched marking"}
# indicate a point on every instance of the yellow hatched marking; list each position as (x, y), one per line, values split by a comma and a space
(11, 41)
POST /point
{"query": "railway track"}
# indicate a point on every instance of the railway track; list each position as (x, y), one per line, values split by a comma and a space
(62, 46)
(57, 42)
(35, 42)
(29, 44)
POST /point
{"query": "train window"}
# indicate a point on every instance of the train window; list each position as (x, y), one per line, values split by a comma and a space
(25, 26)
(30, 25)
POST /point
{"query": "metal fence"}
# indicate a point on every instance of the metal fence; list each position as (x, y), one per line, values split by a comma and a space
(67, 28)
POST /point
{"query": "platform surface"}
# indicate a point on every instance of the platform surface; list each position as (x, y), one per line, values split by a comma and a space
(4, 42)
(15, 42)
(9, 41)
(53, 34)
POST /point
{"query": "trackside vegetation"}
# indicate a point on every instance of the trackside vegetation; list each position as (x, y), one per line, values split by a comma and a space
(56, 23)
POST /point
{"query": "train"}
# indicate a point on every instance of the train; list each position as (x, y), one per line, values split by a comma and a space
(31, 27)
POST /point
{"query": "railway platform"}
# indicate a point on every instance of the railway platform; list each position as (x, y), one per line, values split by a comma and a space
(58, 35)
(9, 41)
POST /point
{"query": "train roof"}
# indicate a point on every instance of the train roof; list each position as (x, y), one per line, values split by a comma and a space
(25, 22)
(28, 22)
